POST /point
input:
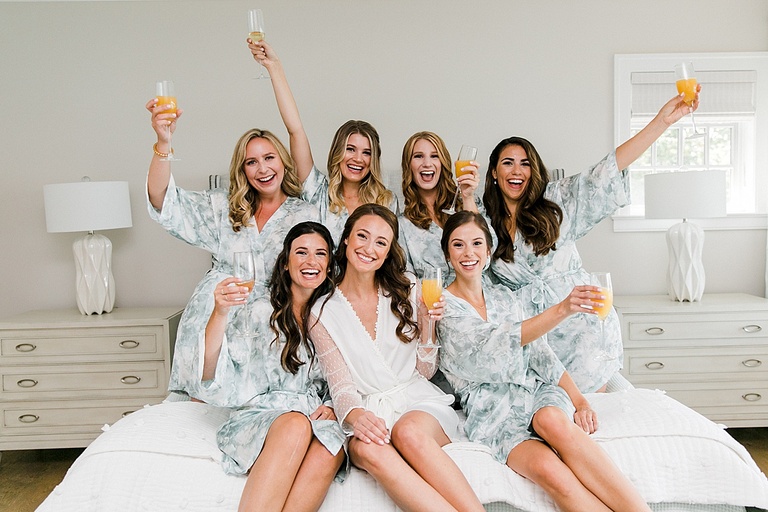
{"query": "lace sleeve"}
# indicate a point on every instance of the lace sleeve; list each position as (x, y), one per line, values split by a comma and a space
(343, 389)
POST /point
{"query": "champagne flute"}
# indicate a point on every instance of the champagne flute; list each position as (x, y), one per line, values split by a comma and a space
(466, 155)
(166, 96)
(603, 281)
(686, 84)
(431, 290)
(243, 269)
(256, 32)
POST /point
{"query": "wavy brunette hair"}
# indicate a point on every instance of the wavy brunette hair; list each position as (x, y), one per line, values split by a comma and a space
(243, 198)
(390, 276)
(283, 320)
(415, 210)
(537, 218)
(372, 188)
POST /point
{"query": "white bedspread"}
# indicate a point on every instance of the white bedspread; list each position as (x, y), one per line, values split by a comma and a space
(164, 458)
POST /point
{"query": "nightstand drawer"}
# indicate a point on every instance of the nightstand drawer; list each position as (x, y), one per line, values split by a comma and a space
(743, 396)
(38, 383)
(735, 362)
(81, 345)
(645, 329)
(64, 416)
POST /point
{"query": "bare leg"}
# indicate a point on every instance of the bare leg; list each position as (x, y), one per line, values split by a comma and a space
(274, 471)
(314, 478)
(537, 462)
(588, 461)
(406, 488)
(419, 438)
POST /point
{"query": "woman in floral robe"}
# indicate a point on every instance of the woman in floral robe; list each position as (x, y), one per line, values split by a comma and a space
(518, 398)
(280, 431)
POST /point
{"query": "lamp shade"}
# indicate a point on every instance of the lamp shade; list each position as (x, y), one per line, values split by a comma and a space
(685, 195)
(87, 206)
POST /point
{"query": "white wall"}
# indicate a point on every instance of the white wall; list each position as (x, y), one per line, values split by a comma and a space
(74, 77)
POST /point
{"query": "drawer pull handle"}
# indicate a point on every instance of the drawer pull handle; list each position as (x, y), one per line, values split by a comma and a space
(28, 418)
(25, 347)
(752, 328)
(129, 344)
(654, 331)
(126, 413)
(654, 365)
(751, 397)
(130, 379)
(752, 363)
(27, 383)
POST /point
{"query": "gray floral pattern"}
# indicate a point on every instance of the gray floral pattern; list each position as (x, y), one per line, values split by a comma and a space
(315, 191)
(250, 379)
(201, 219)
(585, 199)
(500, 384)
(422, 249)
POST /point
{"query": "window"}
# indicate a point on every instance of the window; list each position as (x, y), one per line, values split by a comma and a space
(731, 118)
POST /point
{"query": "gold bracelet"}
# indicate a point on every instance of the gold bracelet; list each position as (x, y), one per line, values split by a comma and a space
(161, 155)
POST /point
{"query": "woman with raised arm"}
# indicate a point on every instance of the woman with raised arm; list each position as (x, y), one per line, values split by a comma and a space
(354, 160)
(262, 204)
(428, 189)
(280, 432)
(366, 334)
(538, 222)
(519, 399)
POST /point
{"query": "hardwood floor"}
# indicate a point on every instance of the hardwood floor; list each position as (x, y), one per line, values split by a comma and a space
(27, 477)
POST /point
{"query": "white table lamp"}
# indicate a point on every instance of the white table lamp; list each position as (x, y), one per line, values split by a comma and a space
(685, 195)
(89, 206)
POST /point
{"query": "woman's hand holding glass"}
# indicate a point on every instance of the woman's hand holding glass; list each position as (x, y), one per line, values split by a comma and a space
(163, 122)
(468, 179)
(228, 294)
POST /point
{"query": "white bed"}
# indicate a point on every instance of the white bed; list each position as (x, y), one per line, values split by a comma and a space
(164, 458)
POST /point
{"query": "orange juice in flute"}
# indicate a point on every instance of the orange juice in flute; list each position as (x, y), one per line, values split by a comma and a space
(431, 290)
(686, 85)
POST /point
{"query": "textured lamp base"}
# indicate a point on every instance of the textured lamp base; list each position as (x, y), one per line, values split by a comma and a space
(94, 281)
(685, 275)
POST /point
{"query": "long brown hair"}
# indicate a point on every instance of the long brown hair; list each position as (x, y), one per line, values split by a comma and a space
(537, 218)
(372, 188)
(283, 320)
(390, 277)
(243, 198)
(415, 210)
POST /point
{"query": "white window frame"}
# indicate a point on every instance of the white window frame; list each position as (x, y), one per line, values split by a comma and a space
(626, 64)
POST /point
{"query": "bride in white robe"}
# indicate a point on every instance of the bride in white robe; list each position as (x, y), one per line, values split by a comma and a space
(366, 336)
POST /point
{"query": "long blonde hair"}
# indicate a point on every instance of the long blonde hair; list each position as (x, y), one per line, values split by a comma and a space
(243, 198)
(372, 188)
(415, 210)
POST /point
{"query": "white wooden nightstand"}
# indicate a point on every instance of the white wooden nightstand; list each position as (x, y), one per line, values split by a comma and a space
(63, 375)
(710, 355)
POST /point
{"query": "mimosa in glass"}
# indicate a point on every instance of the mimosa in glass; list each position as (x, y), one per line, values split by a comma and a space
(243, 269)
(164, 91)
(686, 84)
(431, 291)
(466, 155)
(603, 309)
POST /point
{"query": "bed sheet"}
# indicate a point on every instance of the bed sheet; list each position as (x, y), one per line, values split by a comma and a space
(164, 457)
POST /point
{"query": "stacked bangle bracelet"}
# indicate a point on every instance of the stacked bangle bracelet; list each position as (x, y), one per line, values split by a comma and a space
(158, 153)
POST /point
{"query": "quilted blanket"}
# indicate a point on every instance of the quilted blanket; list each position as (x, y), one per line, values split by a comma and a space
(164, 457)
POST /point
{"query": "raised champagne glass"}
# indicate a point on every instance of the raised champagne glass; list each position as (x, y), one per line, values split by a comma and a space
(686, 82)
(256, 33)
(466, 155)
(166, 96)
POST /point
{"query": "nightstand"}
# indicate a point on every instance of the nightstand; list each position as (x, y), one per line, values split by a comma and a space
(63, 375)
(710, 355)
